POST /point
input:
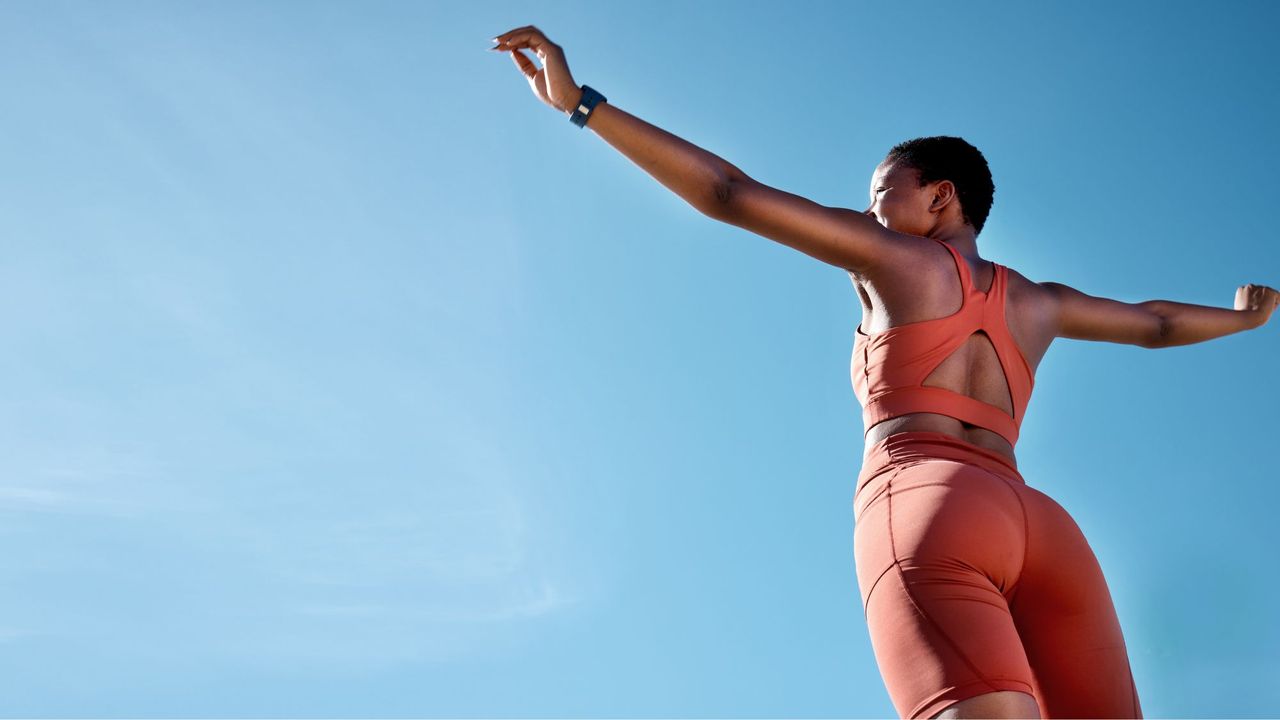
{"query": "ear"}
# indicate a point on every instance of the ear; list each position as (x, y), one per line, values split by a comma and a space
(944, 193)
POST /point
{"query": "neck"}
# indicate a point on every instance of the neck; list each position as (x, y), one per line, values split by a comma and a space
(961, 238)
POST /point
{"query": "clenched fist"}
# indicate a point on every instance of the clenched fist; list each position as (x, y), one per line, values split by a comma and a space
(1258, 299)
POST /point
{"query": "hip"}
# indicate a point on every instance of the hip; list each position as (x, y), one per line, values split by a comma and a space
(903, 449)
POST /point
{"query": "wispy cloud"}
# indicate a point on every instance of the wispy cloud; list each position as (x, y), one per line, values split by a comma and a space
(26, 497)
(544, 599)
(71, 500)
(88, 481)
(9, 634)
(344, 610)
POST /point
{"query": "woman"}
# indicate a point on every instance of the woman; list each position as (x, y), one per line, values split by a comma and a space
(982, 597)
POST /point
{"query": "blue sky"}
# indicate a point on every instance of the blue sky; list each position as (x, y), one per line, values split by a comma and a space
(344, 378)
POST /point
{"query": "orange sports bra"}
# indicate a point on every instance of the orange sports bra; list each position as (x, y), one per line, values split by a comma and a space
(889, 367)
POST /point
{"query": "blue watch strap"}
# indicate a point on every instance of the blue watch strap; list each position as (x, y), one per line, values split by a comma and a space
(588, 102)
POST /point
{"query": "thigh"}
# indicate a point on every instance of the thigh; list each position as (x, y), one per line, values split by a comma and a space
(937, 548)
(1068, 623)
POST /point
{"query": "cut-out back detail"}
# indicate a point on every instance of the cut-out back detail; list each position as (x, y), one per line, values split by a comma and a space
(889, 368)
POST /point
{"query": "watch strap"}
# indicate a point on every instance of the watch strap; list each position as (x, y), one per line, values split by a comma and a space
(588, 103)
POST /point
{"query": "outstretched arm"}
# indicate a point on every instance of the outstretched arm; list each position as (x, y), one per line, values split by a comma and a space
(712, 185)
(1157, 323)
(718, 189)
(696, 175)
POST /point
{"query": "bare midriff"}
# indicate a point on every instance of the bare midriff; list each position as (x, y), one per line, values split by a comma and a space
(933, 422)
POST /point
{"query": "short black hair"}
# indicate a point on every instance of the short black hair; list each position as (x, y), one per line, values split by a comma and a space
(943, 157)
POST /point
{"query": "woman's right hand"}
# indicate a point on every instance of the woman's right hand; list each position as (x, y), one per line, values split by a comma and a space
(552, 83)
(1258, 299)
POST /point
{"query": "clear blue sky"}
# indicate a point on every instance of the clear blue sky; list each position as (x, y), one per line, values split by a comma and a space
(344, 378)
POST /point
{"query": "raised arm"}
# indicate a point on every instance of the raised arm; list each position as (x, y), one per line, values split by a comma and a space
(1157, 323)
(715, 187)
(718, 189)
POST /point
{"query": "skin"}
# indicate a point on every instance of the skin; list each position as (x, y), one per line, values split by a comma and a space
(900, 274)
(923, 284)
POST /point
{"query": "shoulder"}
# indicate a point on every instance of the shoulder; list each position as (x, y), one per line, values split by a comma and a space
(1044, 297)
(1058, 295)
(1035, 306)
(1029, 289)
(906, 258)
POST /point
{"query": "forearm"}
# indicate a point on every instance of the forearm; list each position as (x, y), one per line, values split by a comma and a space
(696, 175)
(1186, 323)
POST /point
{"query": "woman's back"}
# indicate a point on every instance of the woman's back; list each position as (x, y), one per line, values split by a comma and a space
(921, 285)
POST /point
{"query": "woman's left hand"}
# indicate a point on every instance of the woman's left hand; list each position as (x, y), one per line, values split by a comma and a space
(552, 83)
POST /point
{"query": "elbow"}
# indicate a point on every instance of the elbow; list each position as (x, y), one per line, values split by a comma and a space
(718, 199)
(721, 191)
(1163, 333)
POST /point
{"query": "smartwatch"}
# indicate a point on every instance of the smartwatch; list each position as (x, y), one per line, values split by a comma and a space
(588, 102)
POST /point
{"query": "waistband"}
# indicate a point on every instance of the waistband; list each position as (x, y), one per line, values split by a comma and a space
(913, 445)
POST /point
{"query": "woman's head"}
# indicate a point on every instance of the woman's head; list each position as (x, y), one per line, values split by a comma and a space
(932, 180)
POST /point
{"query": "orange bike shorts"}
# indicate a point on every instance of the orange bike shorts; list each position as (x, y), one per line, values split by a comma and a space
(972, 582)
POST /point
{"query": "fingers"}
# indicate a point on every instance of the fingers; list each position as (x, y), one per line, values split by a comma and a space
(525, 65)
(526, 30)
(527, 36)
(500, 40)
(1259, 294)
(507, 34)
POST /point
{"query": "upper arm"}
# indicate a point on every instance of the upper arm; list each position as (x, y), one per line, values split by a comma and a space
(838, 236)
(1085, 317)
